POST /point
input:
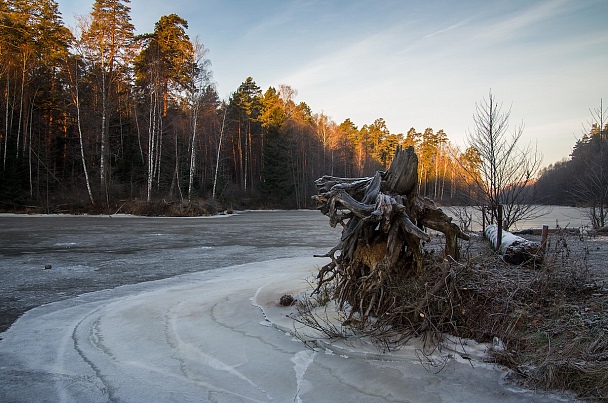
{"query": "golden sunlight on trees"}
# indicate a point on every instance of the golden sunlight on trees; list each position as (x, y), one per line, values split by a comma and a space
(164, 69)
(97, 118)
(106, 41)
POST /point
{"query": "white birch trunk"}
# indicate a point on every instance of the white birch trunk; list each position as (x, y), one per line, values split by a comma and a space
(192, 153)
(217, 159)
(21, 106)
(82, 158)
(151, 140)
(28, 145)
(104, 111)
(76, 99)
(6, 125)
(514, 249)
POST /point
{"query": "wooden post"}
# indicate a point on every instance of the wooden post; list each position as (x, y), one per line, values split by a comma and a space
(483, 219)
(543, 238)
(499, 225)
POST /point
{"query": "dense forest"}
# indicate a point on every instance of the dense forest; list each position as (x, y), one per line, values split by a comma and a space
(98, 119)
(581, 180)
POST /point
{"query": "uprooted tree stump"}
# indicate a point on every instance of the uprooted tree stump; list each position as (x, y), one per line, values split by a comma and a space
(380, 248)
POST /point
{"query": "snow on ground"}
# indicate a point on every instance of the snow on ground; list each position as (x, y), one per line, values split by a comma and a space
(218, 336)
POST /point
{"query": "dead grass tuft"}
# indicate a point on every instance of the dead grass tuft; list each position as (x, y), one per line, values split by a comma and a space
(547, 323)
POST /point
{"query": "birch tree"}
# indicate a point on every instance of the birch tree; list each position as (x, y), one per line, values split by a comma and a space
(72, 68)
(200, 81)
(219, 151)
(506, 170)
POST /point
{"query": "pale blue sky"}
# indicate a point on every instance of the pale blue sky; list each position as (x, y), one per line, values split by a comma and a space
(414, 63)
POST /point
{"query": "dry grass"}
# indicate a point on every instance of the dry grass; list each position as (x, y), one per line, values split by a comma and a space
(556, 328)
(548, 323)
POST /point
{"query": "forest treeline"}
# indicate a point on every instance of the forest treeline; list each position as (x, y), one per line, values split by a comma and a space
(97, 116)
(582, 179)
(98, 119)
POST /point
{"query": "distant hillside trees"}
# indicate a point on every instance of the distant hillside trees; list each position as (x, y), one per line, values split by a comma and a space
(96, 118)
(583, 179)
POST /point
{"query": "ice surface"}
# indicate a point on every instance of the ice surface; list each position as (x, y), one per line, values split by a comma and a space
(90, 253)
(197, 338)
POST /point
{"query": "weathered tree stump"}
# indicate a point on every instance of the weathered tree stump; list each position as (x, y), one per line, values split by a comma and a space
(383, 220)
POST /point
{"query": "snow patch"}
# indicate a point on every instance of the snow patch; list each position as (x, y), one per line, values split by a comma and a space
(301, 361)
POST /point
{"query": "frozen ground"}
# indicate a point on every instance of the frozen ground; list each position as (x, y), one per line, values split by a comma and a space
(203, 333)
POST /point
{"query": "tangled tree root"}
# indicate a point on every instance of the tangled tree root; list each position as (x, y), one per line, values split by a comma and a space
(380, 247)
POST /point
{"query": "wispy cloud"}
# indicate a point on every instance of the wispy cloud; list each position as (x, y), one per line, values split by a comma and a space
(450, 28)
(496, 27)
(366, 57)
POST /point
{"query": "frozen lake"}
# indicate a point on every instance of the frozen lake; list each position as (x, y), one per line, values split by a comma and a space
(90, 253)
(564, 216)
(209, 329)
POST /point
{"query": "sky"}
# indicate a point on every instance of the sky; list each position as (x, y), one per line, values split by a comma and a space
(413, 63)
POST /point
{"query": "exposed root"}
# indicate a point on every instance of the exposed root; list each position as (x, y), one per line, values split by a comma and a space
(548, 324)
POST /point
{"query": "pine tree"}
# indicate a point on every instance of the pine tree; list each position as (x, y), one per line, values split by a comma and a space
(245, 108)
(277, 182)
(107, 41)
(164, 69)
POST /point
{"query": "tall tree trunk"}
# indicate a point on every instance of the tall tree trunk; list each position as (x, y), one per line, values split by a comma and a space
(84, 161)
(241, 172)
(192, 153)
(76, 100)
(219, 149)
(6, 120)
(250, 157)
(141, 150)
(175, 178)
(28, 146)
(245, 172)
(104, 139)
(151, 144)
(21, 106)
(159, 149)
(445, 168)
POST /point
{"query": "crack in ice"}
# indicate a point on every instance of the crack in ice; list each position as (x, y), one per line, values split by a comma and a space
(183, 350)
